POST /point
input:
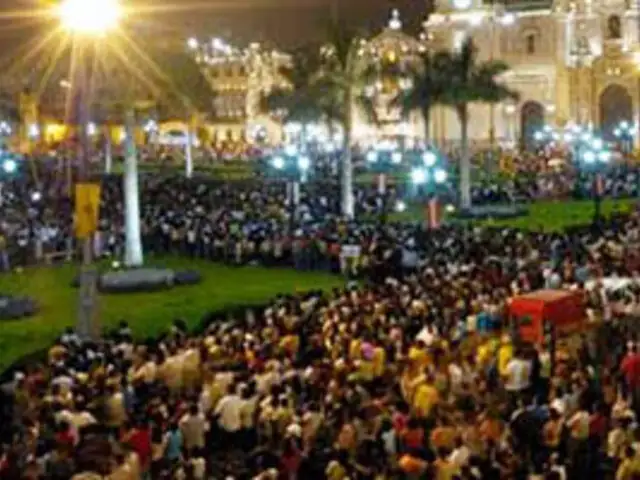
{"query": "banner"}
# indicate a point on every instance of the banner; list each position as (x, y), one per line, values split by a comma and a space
(87, 209)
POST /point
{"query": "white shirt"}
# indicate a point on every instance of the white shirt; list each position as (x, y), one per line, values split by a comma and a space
(229, 411)
(518, 372)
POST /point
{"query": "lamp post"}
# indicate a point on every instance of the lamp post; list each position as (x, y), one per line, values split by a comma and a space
(625, 132)
(86, 21)
(427, 174)
(293, 165)
(593, 157)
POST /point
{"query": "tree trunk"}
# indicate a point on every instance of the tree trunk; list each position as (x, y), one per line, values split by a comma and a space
(108, 158)
(465, 161)
(347, 168)
(189, 152)
(133, 242)
(426, 118)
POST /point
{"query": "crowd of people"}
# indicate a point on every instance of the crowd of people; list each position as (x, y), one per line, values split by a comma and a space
(251, 221)
(413, 374)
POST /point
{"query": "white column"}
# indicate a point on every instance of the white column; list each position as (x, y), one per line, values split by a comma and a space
(133, 242)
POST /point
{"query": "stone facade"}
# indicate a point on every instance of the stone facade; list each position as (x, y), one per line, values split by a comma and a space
(571, 61)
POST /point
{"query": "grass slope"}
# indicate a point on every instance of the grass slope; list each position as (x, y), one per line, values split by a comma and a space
(148, 313)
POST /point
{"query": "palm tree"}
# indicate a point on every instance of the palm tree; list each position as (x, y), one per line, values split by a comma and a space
(341, 79)
(426, 90)
(469, 82)
(297, 99)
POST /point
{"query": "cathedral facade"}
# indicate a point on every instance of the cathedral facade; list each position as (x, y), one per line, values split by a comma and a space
(570, 61)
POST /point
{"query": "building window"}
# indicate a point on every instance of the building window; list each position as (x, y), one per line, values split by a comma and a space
(530, 43)
(614, 30)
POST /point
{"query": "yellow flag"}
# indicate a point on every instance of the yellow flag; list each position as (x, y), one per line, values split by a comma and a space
(87, 209)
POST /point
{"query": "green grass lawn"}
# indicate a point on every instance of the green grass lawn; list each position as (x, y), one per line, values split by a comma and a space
(148, 314)
(551, 216)
(547, 216)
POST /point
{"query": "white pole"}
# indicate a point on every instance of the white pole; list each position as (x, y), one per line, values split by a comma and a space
(189, 153)
(108, 159)
(133, 242)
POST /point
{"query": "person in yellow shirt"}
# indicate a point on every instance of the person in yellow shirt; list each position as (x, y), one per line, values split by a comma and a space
(425, 399)
(628, 468)
(505, 354)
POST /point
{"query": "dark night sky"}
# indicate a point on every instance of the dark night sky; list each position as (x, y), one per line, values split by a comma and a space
(282, 22)
(288, 22)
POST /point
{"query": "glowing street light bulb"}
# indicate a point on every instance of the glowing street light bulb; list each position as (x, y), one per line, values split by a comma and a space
(396, 157)
(429, 159)
(304, 163)
(90, 17)
(589, 156)
(33, 131)
(372, 157)
(91, 128)
(9, 165)
(419, 176)
(508, 19)
(604, 156)
(440, 176)
(596, 143)
(278, 163)
(192, 43)
(290, 150)
(400, 206)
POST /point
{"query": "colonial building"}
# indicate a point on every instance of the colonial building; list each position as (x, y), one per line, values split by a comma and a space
(571, 62)
(240, 78)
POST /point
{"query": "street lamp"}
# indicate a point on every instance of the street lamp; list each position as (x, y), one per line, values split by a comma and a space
(625, 132)
(293, 165)
(594, 158)
(86, 20)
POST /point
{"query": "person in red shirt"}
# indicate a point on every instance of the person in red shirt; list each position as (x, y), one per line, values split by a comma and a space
(630, 367)
(139, 438)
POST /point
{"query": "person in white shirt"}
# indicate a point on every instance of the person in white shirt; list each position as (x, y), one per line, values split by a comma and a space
(194, 427)
(518, 375)
(229, 414)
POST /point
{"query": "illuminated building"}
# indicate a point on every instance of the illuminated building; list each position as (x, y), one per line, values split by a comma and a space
(240, 78)
(571, 62)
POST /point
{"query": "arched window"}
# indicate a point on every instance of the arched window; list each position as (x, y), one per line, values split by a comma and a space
(530, 43)
(614, 28)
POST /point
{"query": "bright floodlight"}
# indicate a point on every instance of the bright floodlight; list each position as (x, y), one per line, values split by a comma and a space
(401, 206)
(617, 132)
(290, 150)
(624, 124)
(461, 4)
(192, 43)
(508, 19)
(304, 163)
(589, 156)
(396, 157)
(372, 157)
(568, 137)
(604, 156)
(596, 143)
(538, 136)
(36, 196)
(33, 130)
(419, 176)
(429, 159)
(440, 176)
(9, 165)
(278, 163)
(91, 128)
(90, 16)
